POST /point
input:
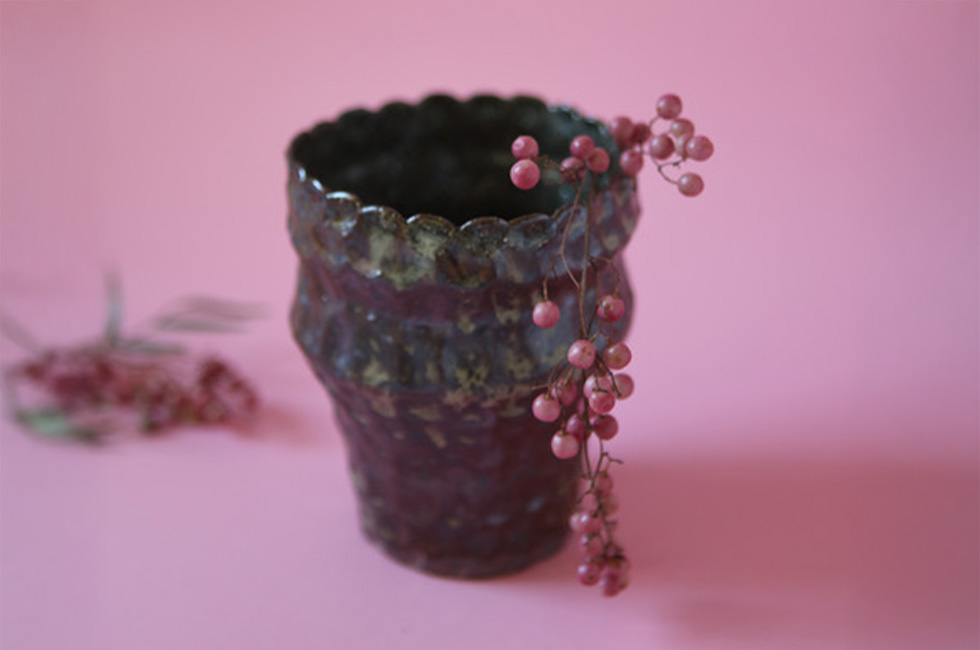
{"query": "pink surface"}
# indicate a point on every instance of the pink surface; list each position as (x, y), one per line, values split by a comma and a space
(802, 469)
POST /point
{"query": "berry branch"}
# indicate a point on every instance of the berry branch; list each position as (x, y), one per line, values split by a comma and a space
(88, 391)
(583, 390)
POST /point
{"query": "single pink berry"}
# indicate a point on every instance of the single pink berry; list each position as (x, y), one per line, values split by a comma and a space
(681, 126)
(546, 314)
(581, 146)
(699, 148)
(680, 144)
(588, 502)
(661, 146)
(606, 427)
(596, 383)
(617, 356)
(572, 169)
(669, 106)
(623, 385)
(602, 402)
(524, 147)
(576, 426)
(609, 504)
(591, 523)
(598, 160)
(588, 573)
(611, 308)
(621, 129)
(546, 408)
(611, 583)
(590, 545)
(690, 184)
(564, 446)
(585, 523)
(581, 354)
(631, 161)
(604, 483)
(641, 133)
(565, 391)
(525, 174)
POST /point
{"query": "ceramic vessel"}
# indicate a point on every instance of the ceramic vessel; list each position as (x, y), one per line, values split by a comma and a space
(419, 267)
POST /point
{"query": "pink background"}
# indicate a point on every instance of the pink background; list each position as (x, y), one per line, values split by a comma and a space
(802, 466)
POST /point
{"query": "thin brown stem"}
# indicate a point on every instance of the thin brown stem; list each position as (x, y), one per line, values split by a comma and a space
(673, 163)
(567, 231)
(585, 260)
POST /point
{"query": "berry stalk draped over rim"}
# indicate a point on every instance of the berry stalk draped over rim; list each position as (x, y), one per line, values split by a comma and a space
(582, 393)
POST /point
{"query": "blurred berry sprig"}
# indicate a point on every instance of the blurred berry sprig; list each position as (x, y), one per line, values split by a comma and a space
(584, 388)
(129, 381)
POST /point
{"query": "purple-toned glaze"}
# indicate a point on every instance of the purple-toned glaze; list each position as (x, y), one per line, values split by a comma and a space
(420, 328)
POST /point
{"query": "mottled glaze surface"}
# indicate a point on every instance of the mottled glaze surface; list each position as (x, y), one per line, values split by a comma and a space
(420, 328)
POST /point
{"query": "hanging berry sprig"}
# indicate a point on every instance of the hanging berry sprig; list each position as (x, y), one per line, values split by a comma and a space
(583, 390)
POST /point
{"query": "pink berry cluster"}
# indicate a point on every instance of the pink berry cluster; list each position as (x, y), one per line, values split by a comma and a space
(676, 144)
(580, 400)
(585, 156)
(583, 407)
(585, 388)
(669, 148)
(79, 380)
(122, 381)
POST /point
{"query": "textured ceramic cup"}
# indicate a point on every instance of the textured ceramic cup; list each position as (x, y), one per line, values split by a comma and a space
(419, 267)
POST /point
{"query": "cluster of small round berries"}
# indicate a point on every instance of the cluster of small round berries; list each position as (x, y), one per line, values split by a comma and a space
(581, 400)
(585, 156)
(76, 380)
(584, 409)
(675, 145)
(582, 393)
(604, 562)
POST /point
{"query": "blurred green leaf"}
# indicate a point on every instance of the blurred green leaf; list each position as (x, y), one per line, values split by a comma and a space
(52, 423)
(203, 314)
(148, 347)
(194, 324)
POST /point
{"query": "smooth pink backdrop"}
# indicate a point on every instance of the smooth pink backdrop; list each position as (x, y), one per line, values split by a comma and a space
(802, 466)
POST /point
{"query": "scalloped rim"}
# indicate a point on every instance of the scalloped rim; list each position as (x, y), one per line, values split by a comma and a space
(427, 218)
(442, 223)
(472, 232)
